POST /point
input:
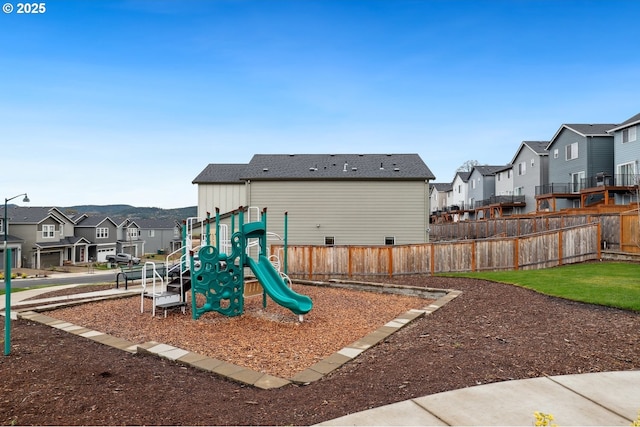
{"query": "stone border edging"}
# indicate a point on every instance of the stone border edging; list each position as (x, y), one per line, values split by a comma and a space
(259, 379)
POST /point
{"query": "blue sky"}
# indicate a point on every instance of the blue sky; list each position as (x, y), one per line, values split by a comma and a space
(109, 102)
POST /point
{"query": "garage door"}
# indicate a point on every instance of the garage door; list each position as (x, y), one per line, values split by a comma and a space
(102, 254)
(50, 259)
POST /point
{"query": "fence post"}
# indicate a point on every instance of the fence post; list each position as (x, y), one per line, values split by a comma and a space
(310, 262)
(474, 265)
(560, 232)
(598, 244)
(433, 258)
(349, 268)
(390, 250)
(516, 253)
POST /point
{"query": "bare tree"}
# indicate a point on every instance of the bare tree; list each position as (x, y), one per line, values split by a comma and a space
(467, 166)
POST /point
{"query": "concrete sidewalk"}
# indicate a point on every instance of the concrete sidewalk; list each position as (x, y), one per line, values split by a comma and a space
(597, 399)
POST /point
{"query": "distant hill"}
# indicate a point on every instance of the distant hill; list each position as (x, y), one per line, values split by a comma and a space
(132, 211)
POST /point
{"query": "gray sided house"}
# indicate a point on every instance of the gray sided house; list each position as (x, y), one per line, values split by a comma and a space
(626, 154)
(102, 232)
(129, 238)
(47, 237)
(530, 171)
(159, 235)
(481, 188)
(580, 158)
(355, 199)
(439, 196)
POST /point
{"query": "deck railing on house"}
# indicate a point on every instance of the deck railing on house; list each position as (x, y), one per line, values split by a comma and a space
(598, 180)
(500, 200)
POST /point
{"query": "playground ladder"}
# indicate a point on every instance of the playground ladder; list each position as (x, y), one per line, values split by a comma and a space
(159, 295)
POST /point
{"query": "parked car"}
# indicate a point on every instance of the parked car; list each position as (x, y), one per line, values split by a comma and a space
(123, 259)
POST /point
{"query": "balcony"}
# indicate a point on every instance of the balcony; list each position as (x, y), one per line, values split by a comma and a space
(598, 180)
(595, 190)
(500, 200)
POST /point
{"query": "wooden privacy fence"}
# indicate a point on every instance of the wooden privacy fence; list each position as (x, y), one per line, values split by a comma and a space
(630, 231)
(612, 229)
(541, 250)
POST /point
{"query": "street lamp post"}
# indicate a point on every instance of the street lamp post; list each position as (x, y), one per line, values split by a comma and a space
(7, 277)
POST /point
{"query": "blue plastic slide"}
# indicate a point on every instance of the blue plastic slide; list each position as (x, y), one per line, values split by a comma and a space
(276, 287)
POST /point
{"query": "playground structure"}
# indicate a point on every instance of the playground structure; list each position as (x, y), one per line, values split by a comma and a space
(217, 271)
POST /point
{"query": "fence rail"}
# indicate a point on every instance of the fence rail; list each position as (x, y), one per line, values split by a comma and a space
(540, 250)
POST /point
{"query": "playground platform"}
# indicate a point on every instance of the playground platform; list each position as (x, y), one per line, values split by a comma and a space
(604, 399)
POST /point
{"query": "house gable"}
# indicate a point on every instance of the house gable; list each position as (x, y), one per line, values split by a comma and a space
(578, 151)
(626, 148)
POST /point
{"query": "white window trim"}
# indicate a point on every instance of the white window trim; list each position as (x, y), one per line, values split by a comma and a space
(102, 232)
(630, 134)
(571, 149)
(631, 175)
(522, 168)
(48, 231)
(133, 233)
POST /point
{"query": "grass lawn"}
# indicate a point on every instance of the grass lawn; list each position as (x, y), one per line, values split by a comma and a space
(613, 284)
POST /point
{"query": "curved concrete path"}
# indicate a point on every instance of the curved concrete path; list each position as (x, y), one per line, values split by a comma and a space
(594, 399)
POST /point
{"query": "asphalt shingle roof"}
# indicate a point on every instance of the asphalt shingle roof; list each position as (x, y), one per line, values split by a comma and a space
(442, 186)
(539, 147)
(29, 214)
(591, 129)
(221, 173)
(464, 176)
(629, 122)
(91, 220)
(156, 223)
(485, 170)
(319, 166)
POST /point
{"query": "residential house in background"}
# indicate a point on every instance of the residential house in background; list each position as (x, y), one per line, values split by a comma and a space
(482, 190)
(331, 199)
(161, 236)
(129, 237)
(580, 167)
(13, 242)
(458, 205)
(530, 171)
(102, 232)
(438, 196)
(504, 181)
(46, 238)
(626, 157)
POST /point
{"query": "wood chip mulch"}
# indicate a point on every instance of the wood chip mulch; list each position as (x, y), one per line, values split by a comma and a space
(492, 332)
(270, 340)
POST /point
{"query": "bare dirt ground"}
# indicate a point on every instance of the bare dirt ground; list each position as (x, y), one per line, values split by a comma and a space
(492, 332)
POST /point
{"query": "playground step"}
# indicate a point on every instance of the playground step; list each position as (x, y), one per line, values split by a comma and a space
(164, 298)
(171, 305)
(175, 286)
